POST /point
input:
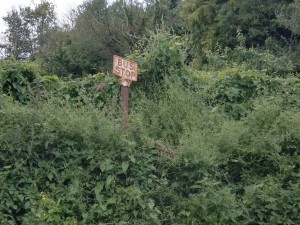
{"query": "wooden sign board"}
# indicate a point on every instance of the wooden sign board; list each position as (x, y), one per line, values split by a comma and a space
(125, 69)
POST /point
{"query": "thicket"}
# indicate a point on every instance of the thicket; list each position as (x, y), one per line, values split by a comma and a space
(213, 134)
(203, 146)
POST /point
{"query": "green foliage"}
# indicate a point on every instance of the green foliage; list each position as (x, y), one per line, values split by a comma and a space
(183, 160)
(213, 205)
(217, 146)
(17, 35)
(255, 146)
(69, 165)
(99, 31)
(16, 79)
(21, 81)
(231, 90)
(198, 17)
(164, 12)
(288, 15)
(213, 25)
(71, 53)
(97, 89)
(160, 57)
(268, 203)
(169, 115)
(249, 58)
(27, 30)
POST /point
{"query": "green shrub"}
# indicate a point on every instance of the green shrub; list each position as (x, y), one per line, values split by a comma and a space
(66, 164)
(16, 79)
(160, 56)
(268, 203)
(249, 58)
(171, 114)
(213, 205)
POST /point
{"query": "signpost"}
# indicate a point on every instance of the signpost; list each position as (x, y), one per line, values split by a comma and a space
(127, 71)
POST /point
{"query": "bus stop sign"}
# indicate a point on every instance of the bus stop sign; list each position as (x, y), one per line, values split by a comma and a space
(124, 69)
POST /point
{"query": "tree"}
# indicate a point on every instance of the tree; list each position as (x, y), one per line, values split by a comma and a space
(199, 19)
(164, 12)
(28, 29)
(289, 16)
(97, 33)
(214, 24)
(17, 35)
(41, 19)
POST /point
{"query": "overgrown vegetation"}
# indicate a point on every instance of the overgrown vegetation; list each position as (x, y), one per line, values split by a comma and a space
(213, 135)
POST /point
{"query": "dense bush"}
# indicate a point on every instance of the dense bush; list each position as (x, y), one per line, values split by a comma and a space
(16, 79)
(249, 58)
(61, 164)
(160, 57)
(98, 88)
(21, 81)
(183, 161)
(202, 147)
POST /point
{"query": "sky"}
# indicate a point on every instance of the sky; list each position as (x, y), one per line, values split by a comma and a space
(62, 7)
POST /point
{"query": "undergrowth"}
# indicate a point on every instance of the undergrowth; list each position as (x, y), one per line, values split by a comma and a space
(202, 147)
(185, 160)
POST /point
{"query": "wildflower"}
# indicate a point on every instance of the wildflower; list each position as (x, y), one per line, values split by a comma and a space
(43, 195)
(34, 202)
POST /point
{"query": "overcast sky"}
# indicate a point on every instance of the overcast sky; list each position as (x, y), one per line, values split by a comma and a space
(62, 7)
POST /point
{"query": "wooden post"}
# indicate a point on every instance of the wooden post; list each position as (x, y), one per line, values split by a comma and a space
(124, 105)
(124, 102)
